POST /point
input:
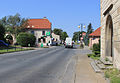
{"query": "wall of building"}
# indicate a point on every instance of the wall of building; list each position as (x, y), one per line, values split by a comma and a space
(93, 41)
(38, 34)
(115, 14)
(56, 37)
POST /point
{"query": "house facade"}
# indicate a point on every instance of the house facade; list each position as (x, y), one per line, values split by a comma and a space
(41, 28)
(94, 37)
(56, 37)
(83, 35)
(110, 31)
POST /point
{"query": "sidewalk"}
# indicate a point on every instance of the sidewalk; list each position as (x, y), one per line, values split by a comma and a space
(85, 73)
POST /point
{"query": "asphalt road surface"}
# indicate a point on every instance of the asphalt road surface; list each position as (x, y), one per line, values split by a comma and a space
(50, 65)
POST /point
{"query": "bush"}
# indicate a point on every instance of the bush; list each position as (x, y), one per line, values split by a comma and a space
(96, 47)
(2, 32)
(96, 52)
(26, 39)
(89, 55)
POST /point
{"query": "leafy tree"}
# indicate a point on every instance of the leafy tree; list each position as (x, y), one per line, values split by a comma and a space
(77, 35)
(64, 35)
(26, 39)
(89, 31)
(2, 32)
(58, 32)
(14, 24)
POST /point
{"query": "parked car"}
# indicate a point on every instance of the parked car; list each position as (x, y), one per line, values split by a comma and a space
(54, 43)
(2, 43)
(68, 43)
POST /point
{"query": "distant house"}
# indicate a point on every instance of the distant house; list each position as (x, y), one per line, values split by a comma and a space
(94, 37)
(41, 28)
(56, 37)
(83, 35)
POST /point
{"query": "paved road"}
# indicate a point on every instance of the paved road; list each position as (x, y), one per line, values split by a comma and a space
(50, 65)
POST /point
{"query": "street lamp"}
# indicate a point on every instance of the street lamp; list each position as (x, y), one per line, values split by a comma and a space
(81, 26)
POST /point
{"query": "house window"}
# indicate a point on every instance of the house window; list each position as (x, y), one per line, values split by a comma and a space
(44, 40)
(39, 40)
(94, 38)
(32, 32)
(43, 32)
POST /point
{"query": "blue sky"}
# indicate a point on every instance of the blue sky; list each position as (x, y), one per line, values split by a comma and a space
(64, 14)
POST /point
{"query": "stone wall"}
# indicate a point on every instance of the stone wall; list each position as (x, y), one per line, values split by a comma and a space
(114, 12)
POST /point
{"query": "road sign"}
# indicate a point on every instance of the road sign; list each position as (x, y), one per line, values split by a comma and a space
(47, 33)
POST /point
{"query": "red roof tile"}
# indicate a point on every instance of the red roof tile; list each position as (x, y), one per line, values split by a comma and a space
(97, 32)
(39, 24)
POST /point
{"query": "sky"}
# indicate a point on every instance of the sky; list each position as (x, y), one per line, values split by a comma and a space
(63, 14)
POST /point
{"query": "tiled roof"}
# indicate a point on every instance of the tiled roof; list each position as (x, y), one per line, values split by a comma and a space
(97, 32)
(39, 24)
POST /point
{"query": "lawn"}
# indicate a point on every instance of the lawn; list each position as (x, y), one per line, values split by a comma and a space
(5, 50)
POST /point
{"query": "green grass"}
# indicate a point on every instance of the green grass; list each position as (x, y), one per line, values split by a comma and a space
(93, 56)
(113, 75)
(14, 50)
(115, 79)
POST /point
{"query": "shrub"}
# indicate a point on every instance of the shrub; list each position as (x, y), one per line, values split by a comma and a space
(96, 47)
(96, 52)
(26, 39)
(89, 55)
(111, 73)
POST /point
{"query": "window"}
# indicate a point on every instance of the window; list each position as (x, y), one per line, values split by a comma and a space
(94, 38)
(32, 32)
(39, 40)
(43, 32)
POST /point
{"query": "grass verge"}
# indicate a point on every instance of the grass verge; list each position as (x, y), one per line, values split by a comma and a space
(14, 50)
(93, 56)
(113, 75)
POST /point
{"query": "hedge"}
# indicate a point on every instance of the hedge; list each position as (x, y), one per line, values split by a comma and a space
(26, 39)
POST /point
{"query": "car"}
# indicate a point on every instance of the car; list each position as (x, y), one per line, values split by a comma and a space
(68, 43)
(54, 43)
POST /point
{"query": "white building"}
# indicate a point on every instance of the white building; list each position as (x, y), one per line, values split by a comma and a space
(41, 28)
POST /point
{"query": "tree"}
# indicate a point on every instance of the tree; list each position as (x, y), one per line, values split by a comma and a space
(77, 36)
(14, 24)
(26, 39)
(64, 35)
(2, 32)
(58, 32)
(89, 31)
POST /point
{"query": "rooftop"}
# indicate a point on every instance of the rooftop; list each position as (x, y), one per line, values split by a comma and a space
(97, 32)
(39, 24)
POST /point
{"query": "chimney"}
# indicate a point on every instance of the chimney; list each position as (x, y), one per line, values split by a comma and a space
(44, 17)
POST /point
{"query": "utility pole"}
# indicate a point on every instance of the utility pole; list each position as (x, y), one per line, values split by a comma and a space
(81, 26)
